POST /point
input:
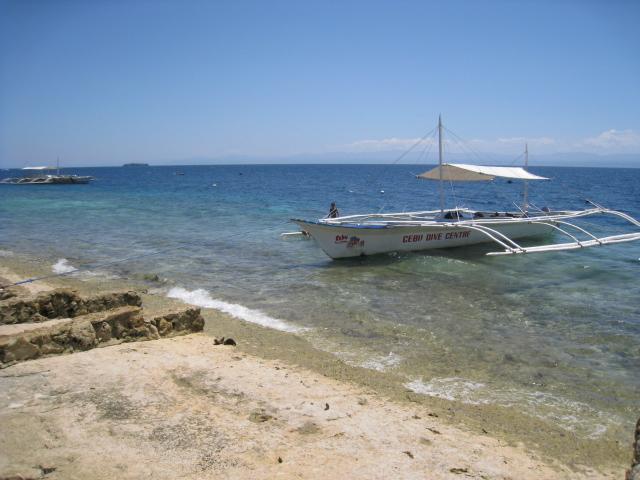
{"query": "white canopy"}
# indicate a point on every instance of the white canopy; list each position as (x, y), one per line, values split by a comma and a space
(39, 168)
(459, 172)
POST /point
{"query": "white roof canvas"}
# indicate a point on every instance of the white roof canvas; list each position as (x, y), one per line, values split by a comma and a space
(459, 172)
(39, 168)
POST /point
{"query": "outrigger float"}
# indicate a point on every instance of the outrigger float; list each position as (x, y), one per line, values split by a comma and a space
(371, 234)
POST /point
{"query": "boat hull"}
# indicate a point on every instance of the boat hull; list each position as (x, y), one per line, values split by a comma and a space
(342, 241)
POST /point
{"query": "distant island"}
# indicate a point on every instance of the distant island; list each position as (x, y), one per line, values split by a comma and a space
(135, 165)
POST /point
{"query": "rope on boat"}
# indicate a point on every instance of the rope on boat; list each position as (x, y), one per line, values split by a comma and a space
(464, 146)
(87, 266)
(90, 266)
(401, 156)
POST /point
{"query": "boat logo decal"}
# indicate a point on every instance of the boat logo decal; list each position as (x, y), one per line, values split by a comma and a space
(355, 242)
(342, 238)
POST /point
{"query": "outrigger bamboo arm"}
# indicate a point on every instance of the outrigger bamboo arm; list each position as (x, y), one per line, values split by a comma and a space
(593, 242)
(626, 237)
(489, 232)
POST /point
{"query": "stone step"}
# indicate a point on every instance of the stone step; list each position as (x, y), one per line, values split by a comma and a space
(26, 341)
(62, 303)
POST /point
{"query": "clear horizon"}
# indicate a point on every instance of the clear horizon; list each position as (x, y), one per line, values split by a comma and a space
(107, 83)
(621, 164)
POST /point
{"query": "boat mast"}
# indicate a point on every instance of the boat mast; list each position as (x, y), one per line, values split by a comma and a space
(525, 200)
(440, 163)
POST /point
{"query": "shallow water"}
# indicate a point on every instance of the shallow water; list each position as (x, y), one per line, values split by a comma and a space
(557, 335)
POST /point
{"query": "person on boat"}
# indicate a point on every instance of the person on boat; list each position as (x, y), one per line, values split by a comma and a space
(453, 215)
(333, 211)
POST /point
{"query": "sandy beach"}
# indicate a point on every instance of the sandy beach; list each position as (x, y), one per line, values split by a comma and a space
(182, 408)
(271, 407)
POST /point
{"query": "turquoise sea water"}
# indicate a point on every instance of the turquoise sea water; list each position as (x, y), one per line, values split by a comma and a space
(557, 335)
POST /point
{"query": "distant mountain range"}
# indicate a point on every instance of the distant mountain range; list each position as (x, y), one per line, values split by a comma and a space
(573, 159)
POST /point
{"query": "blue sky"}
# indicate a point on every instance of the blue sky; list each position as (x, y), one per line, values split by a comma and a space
(108, 82)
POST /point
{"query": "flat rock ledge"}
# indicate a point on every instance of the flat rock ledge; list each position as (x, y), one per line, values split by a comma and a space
(61, 303)
(67, 335)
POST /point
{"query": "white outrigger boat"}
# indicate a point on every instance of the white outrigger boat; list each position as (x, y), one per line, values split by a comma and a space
(370, 234)
(46, 176)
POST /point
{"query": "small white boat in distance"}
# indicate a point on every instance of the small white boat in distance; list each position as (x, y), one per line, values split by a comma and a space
(370, 234)
(46, 176)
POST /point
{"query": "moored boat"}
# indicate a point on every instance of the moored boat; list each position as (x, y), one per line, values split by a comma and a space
(370, 234)
(46, 176)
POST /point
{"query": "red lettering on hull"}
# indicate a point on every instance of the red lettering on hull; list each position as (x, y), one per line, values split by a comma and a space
(464, 234)
(412, 238)
(430, 237)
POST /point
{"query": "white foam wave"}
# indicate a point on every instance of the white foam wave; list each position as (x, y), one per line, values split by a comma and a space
(62, 266)
(454, 388)
(6, 253)
(201, 298)
(87, 275)
(382, 363)
(568, 414)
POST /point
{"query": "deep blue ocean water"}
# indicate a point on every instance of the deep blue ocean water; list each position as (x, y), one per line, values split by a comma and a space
(556, 334)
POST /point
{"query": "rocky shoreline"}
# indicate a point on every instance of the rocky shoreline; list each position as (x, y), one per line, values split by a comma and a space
(61, 303)
(634, 472)
(219, 411)
(62, 321)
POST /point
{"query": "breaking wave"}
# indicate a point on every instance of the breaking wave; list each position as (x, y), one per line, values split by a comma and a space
(382, 363)
(62, 266)
(568, 414)
(201, 298)
(448, 388)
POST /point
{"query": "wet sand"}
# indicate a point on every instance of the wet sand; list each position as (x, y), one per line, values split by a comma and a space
(184, 407)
